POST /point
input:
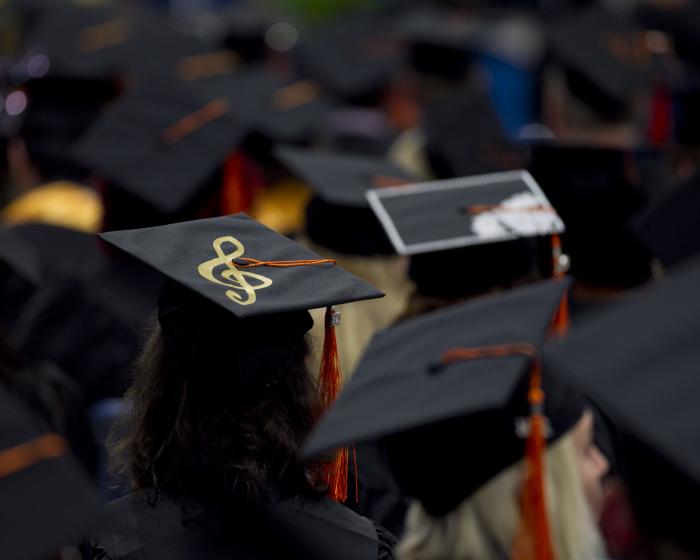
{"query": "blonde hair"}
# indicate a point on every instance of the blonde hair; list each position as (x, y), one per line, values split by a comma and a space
(484, 525)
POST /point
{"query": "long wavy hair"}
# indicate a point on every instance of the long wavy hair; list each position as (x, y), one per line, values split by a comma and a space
(484, 525)
(220, 407)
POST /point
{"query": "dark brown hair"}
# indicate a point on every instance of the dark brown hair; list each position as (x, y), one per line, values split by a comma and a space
(220, 406)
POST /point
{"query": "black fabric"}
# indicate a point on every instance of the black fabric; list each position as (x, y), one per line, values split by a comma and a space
(46, 505)
(402, 365)
(441, 485)
(346, 229)
(340, 178)
(198, 255)
(473, 270)
(127, 147)
(133, 528)
(464, 136)
(265, 102)
(638, 361)
(354, 57)
(671, 228)
(596, 192)
(593, 46)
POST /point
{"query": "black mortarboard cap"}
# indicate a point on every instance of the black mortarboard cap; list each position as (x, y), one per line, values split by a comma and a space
(162, 144)
(441, 42)
(596, 191)
(47, 501)
(79, 42)
(464, 136)
(19, 256)
(277, 107)
(483, 229)
(354, 57)
(342, 179)
(476, 402)
(680, 20)
(605, 56)
(59, 251)
(205, 256)
(670, 229)
(339, 182)
(440, 215)
(638, 361)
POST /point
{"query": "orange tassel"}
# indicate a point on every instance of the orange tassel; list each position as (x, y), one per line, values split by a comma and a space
(533, 541)
(330, 381)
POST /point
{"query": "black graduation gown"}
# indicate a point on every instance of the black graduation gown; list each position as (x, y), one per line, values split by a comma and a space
(290, 528)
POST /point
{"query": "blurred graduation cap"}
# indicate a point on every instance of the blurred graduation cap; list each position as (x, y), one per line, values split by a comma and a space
(277, 107)
(163, 144)
(339, 182)
(210, 257)
(354, 57)
(440, 400)
(464, 136)
(597, 191)
(607, 58)
(480, 228)
(86, 310)
(58, 251)
(48, 502)
(71, 41)
(670, 229)
(680, 20)
(638, 361)
(18, 256)
(441, 41)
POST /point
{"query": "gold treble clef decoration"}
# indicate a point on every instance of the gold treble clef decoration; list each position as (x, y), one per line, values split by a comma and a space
(241, 291)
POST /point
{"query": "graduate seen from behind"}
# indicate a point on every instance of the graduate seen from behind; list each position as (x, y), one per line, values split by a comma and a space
(223, 399)
(497, 453)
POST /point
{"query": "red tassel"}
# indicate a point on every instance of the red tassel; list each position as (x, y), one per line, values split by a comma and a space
(533, 541)
(330, 381)
(240, 183)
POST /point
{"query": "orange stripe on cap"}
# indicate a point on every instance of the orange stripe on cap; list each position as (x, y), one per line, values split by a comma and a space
(194, 121)
(20, 457)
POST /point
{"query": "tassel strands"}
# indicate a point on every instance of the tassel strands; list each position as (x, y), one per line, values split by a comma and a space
(533, 541)
(330, 380)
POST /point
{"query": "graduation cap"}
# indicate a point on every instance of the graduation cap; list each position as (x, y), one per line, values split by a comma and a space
(278, 107)
(19, 256)
(464, 136)
(339, 182)
(670, 229)
(48, 501)
(162, 144)
(441, 42)
(638, 361)
(596, 191)
(459, 374)
(78, 42)
(607, 58)
(479, 228)
(250, 272)
(354, 57)
(680, 20)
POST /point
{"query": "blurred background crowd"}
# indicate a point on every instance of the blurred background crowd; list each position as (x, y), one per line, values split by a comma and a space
(140, 113)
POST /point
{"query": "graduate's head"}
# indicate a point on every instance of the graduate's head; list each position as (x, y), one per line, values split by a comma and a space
(222, 397)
